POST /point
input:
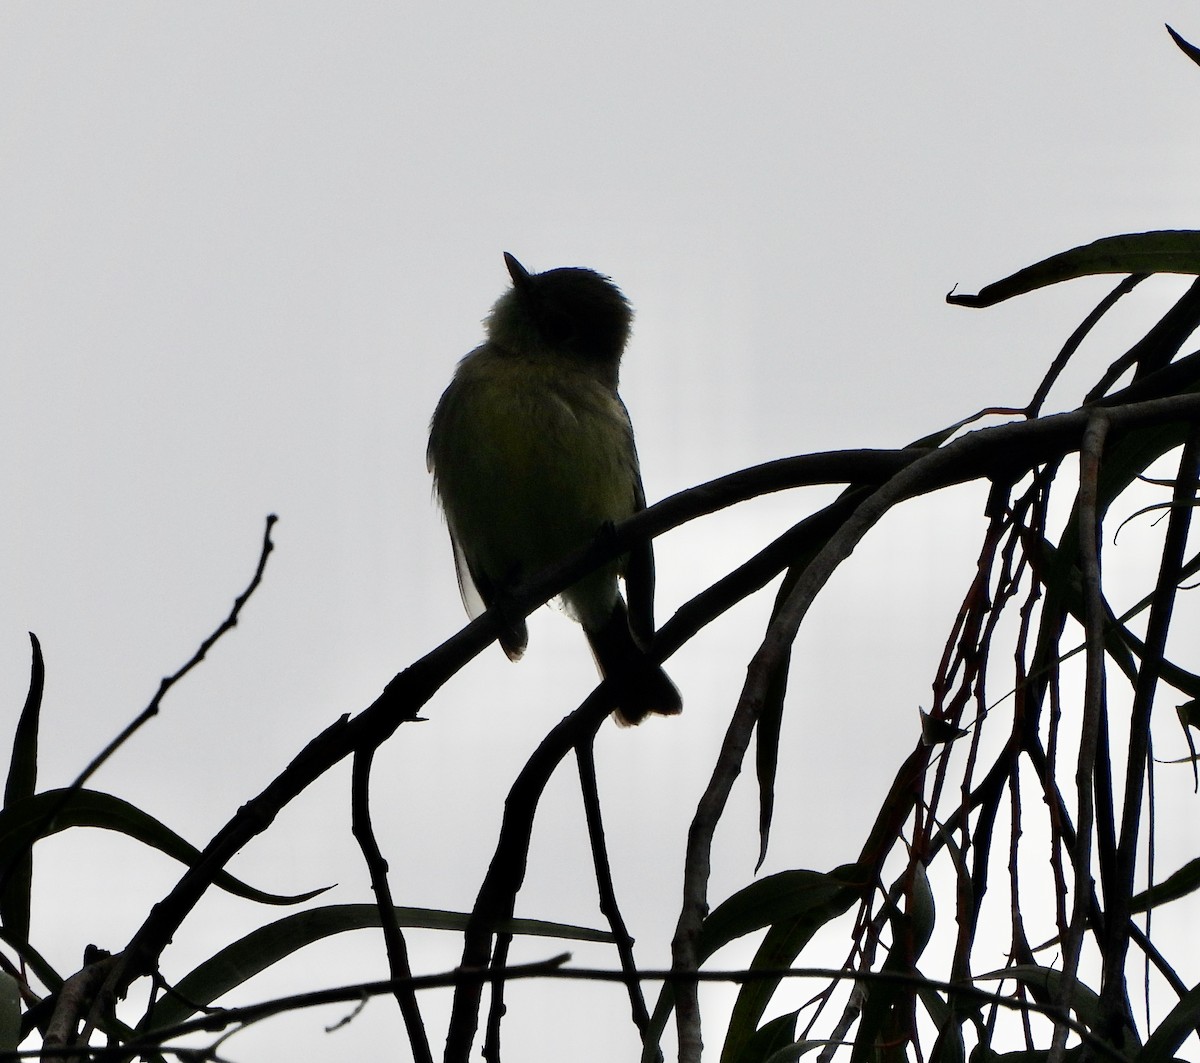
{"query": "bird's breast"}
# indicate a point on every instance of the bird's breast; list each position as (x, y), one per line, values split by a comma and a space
(531, 459)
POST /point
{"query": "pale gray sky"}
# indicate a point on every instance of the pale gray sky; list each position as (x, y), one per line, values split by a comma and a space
(244, 246)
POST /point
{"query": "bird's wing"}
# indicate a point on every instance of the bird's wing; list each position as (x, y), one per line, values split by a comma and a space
(472, 596)
(639, 565)
(478, 595)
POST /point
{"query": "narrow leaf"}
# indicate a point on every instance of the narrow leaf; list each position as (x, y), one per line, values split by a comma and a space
(266, 946)
(10, 1013)
(1163, 251)
(766, 752)
(1181, 883)
(47, 813)
(1168, 1035)
(16, 873)
(785, 897)
(802, 901)
(770, 719)
(1046, 985)
(949, 1046)
(795, 905)
(22, 768)
(1190, 50)
(770, 1039)
(884, 1029)
(922, 911)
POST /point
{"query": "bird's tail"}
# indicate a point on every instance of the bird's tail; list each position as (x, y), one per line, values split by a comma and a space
(642, 686)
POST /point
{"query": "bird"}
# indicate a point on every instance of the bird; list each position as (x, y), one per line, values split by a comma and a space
(533, 457)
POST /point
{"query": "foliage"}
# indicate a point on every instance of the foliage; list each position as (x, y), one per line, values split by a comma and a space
(948, 835)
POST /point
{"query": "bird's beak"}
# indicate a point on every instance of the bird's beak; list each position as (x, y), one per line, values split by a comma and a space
(519, 274)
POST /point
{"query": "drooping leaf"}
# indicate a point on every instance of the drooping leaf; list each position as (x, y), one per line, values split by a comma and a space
(947, 1019)
(269, 944)
(766, 733)
(887, 1021)
(766, 753)
(47, 813)
(1181, 883)
(793, 901)
(794, 905)
(781, 898)
(1045, 983)
(770, 1039)
(1168, 1035)
(922, 911)
(1162, 251)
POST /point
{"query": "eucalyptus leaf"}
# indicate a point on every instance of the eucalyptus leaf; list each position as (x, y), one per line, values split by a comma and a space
(266, 946)
(1162, 251)
(28, 821)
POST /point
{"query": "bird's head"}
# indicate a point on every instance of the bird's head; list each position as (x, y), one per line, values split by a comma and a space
(571, 312)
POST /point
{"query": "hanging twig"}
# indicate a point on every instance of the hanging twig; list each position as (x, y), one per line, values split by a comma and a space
(1094, 617)
(585, 758)
(499, 962)
(393, 936)
(1114, 1002)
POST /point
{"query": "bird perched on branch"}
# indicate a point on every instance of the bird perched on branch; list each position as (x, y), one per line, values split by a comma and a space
(532, 455)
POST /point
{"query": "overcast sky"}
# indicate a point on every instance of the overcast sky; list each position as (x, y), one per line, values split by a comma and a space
(244, 246)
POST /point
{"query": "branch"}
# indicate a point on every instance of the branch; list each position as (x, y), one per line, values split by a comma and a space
(1003, 453)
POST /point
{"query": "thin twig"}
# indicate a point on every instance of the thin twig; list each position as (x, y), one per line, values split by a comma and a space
(1077, 337)
(499, 962)
(585, 758)
(1085, 776)
(393, 937)
(151, 710)
(63, 1013)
